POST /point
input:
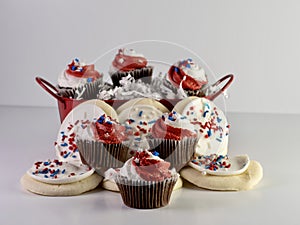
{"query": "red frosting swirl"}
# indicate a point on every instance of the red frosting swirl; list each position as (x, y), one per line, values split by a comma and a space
(161, 130)
(109, 131)
(150, 169)
(127, 63)
(87, 71)
(176, 75)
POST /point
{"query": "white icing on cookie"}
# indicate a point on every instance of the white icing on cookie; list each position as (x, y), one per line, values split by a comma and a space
(211, 124)
(77, 123)
(59, 172)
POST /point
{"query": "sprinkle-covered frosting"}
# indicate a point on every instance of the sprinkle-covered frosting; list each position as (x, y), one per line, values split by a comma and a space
(108, 130)
(66, 148)
(212, 162)
(128, 60)
(59, 172)
(189, 72)
(211, 124)
(78, 74)
(173, 126)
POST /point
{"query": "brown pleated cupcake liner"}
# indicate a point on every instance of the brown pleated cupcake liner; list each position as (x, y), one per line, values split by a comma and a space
(177, 152)
(146, 194)
(102, 156)
(86, 91)
(144, 74)
(198, 93)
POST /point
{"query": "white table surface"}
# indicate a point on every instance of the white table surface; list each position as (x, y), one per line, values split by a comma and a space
(28, 135)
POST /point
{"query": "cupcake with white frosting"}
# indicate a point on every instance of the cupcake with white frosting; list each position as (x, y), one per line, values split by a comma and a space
(126, 62)
(174, 138)
(189, 75)
(79, 77)
(145, 181)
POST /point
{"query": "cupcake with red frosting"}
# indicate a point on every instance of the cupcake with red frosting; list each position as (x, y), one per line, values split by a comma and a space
(105, 150)
(126, 62)
(79, 77)
(145, 181)
(189, 75)
(174, 138)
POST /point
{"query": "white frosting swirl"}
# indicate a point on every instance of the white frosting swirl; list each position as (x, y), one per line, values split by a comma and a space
(192, 69)
(131, 52)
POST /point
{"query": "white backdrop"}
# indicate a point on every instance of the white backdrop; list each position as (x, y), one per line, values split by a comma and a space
(258, 41)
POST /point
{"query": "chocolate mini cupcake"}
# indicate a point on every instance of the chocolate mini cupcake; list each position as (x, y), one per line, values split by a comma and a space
(190, 75)
(174, 138)
(145, 181)
(126, 62)
(106, 149)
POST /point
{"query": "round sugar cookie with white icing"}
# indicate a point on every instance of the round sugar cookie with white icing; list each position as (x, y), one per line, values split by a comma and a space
(244, 181)
(58, 178)
(77, 123)
(209, 121)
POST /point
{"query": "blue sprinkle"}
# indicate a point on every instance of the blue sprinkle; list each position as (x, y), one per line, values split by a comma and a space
(128, 127)
(204, 114)
(219, 119)
(101, 119)
(66, 155)
(46, 163)
(74, 156)
(176, 70)
(64, 144)
(73, 68)
(174, 112)
(152, 121)
(138, 139)
(76, 60)
(55, 173)
(76, 150)
(218, 139)
(209, 132)
(44, 171)
(131, 120)
(140, 113)
(141, 122)
(155, 153)
(108, 122)
(63, 171)
(171, 118)
(188, 66)
(89, 80)
(189, 59)
(62, 132)
(46, 176)
(183, 117)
